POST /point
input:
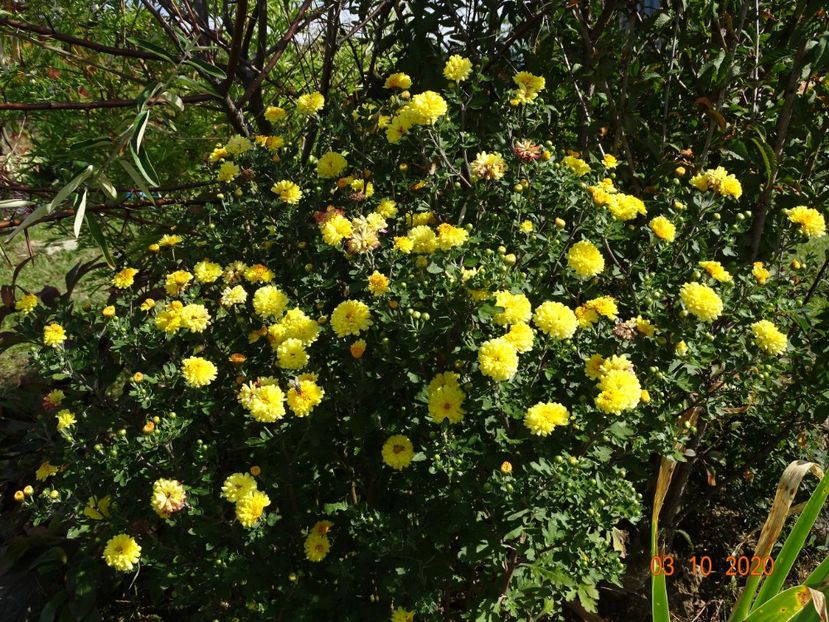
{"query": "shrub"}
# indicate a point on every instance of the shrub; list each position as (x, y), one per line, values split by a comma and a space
(425, 374)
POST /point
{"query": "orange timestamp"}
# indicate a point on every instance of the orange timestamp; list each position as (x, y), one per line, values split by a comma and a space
(703, 565)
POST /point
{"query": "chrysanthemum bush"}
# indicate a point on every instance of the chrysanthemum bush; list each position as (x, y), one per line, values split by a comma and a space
(422, 374)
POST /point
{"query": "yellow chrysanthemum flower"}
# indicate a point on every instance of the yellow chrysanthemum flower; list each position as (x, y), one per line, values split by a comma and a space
(585, 259)
(194, 318)
(238, 486)
(228, 171)
(498, 359)
(258, 273)
(287, 191)
(610, 161)
(457, 68)
(168, 497)
(350, 317)
(198, 372)
(177, 282)
(275, 114)
(125, 278)
(378, 283)
(65, 419)
(701, 301)
(249, 508)
(398, 81)
(238, 145)
(716, 270)
(428, 107)
(263, 399)
(310, 103)
(53, 335)
(488, 166)
(625, 207)
(170, 240)
(398, 452)
(207, 272)
(450, 236)
(760, 273)
(620, 390)
(544, 417)
(26, 303)
(663, 228)
(235, 295)
(521, 336)
(316, 547)
(769, 338)
(446, 398)
(269, 301)
(556, 320)
(812, 223)
(304, 395)
(331, 164)
(291, 354)
(529, 86)
(577, 165)
(527, 226)
(517, 308)
(122, 553)
(718, 180)
(108, 311)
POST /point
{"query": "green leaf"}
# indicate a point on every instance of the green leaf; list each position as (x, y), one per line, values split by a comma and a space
(139, 126)
(36, 214)
(783, 607)
(98, 236)
(174, 100)
(794, 543)
(107, 187)
(69, 188)
(139, 165)
(76, 227)
(138, 179)
(14, 203)
(152, 48)
(206, 69)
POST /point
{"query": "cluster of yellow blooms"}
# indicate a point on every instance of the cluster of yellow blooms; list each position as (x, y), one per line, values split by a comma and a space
(241, 489)
(718, 180)
(122, 552)
(317, 543)
(617, 382)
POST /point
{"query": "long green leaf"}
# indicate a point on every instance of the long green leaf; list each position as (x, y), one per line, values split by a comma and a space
(206, 68)
(152, 48)
(36, 214)
(69, 188)
(139, 165)
(139, 126)
(783, 499)
(139, 181)
(14, 203)
(783, 607)
(794, 543)
(98, 236)
(76, 227)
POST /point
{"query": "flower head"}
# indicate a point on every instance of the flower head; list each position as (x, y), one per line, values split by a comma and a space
(769, 338)
(488, 166)
(168, 497)
(542, 418)
(207, 272)
(760, 273)
(398, 80)
(125, 278)
(316, 547)
(275, 114)
(198, 372)
(237, 486)
(250, 507)
(228, 171)
(65, 419)
(54, 335)
(812, 223)
(701, 301)
(498, 359)
(269, 301)
(331, 164)
(585, 259)
(398, 452)
(310, 103)
(663, 228)
(556, 320)
(287, 191)
(716, 270)
(350, 317)
(263, 399)
(446, 398)
(457, 68)
(122, 553)
(517, 308)
(304, 395)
